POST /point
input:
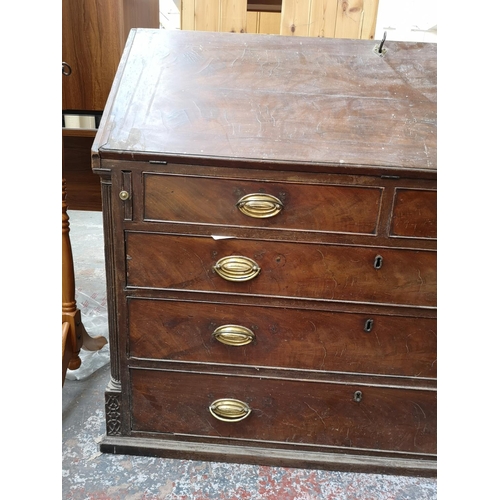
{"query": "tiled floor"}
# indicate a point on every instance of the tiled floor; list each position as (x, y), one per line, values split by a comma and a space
(90, 475)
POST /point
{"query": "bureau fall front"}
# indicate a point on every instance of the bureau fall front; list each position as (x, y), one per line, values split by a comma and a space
(269, 209)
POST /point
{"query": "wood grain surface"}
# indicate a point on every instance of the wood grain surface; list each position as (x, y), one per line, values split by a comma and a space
(292, 99)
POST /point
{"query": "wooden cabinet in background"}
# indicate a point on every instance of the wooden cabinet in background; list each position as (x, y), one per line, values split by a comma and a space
(312, 18)
(94, 33)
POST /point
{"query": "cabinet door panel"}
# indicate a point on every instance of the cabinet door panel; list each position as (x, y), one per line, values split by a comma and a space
(93, 38)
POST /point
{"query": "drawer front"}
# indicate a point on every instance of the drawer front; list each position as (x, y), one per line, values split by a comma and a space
(332, 208)
(290, 411)
(282, 269)
(287, 338)
(414, 214)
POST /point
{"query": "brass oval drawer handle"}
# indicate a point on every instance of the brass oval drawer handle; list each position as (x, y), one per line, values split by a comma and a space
(229, 410)
(233, 335)
(236, 268)
(260, 206)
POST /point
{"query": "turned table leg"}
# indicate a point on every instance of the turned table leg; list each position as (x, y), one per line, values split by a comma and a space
(74, 335)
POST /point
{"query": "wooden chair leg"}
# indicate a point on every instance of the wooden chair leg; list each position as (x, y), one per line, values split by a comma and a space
(67, 349)
(74, 335)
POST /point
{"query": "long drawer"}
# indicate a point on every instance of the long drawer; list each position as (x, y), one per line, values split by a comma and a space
(270, 268)
(277, 337)
(283, 205)
(279, 410)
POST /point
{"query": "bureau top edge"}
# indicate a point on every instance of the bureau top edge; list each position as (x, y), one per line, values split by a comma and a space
(105, 160)
(263, 99)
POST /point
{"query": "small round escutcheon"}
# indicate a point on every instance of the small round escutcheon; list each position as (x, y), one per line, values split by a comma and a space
(124, 195)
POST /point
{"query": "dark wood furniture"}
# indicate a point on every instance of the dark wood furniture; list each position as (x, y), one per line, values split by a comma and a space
(94, 33)
(270, 232)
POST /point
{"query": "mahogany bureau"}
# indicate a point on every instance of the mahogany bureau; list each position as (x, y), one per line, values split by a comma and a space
(269, 210)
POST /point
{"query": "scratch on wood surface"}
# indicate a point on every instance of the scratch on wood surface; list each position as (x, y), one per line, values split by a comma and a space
(328, 271)
(324, 356)
(260, 123)
(154, 92)
(231, 124)
(321, 367)
(208, 272)
(416, 435)
(407, 347)
(420, 408)
(315, 104)
(347, 436)
(209, 424)
(203, 342)
(239, 57)
(275, 67)
(292, 425)
(205, 65)
(313, 325)
(341, 352)
(318, 131)
(197, 107)
(319, 416)
(421, 282)
(276, 281)
(218, 123)
(427, 155)
(271, 115)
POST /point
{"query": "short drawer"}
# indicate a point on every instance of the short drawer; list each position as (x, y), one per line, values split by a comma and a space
(414, 213)
(262, 204)
(271, 268)
(287, 338)
(284, 410)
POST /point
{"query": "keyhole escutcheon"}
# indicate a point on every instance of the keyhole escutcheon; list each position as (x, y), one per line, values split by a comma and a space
(377, 264)
(368, 325)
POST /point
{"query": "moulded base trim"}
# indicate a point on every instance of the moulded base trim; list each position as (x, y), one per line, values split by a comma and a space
(276, 457)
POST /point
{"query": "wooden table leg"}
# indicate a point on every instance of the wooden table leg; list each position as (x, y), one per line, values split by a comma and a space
(74, 335)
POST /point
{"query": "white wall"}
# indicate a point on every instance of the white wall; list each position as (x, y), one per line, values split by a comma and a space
(407, 20)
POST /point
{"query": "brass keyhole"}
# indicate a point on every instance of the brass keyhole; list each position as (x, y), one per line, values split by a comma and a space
(358, 396)
(377, 264)
(368, 325)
